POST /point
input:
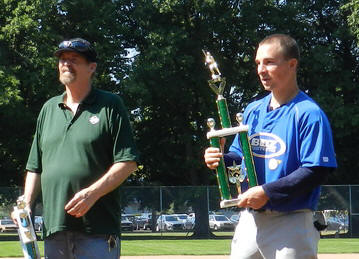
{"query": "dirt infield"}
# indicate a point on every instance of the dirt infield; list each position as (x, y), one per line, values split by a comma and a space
(320, 256)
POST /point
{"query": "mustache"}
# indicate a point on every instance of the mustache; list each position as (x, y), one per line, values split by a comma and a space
(67, 70)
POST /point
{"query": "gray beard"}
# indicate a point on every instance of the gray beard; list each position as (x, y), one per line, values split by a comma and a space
(67, 79)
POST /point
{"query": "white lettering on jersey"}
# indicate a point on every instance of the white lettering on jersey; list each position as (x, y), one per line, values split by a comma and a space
(266, 145)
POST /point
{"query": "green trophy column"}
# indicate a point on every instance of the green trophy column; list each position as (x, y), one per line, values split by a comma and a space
(223, 112)
(221, 173)
(248, 159)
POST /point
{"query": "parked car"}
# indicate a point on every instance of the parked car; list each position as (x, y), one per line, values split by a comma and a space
(334, 223)
(188, 222)
(7, 225)
(38, 222)
(126, 224)
(220, 222)
(143, 222)
(234, 219)
(169, 223)
(130, 217)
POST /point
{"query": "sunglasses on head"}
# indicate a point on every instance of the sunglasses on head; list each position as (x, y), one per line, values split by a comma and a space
(78, 45)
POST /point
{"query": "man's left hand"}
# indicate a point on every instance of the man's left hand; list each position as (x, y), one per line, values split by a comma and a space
(254, 198)
(80, 204)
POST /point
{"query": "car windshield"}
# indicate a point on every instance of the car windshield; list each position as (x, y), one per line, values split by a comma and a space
(221, 218)
(7, 222)
(124, 219)
(170, 218)
(182, 217)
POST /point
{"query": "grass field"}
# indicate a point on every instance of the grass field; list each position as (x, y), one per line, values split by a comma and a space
(169, 245)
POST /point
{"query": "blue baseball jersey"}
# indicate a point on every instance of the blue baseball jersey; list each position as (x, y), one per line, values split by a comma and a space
(295, 135)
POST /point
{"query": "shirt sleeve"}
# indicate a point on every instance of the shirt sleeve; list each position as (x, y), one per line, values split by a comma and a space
(236, 146)
(301, 181)
(34, 160)
(316, 148)
(124, 148)
(231, 157)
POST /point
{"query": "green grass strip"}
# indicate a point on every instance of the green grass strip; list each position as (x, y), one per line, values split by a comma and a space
(189, 247)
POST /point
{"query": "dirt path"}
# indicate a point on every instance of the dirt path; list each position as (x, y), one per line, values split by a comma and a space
(320, 256)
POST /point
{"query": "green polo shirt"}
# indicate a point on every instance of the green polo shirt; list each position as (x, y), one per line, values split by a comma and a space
(73, 151)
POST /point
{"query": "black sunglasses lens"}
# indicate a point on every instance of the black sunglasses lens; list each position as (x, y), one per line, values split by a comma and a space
(78, 45)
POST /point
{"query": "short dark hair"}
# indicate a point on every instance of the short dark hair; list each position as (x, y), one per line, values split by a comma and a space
(289, 46)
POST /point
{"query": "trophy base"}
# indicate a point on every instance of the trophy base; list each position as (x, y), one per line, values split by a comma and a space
(229, 203)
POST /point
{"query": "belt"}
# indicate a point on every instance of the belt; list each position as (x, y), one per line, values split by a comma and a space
(268, 211)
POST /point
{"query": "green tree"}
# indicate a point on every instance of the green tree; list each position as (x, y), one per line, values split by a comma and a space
(353, 18)
(24, 63)
(30, 31)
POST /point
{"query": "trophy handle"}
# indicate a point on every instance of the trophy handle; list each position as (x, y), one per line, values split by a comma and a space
(247, 153)
(248, 159)
(221, 172)
(223, 113)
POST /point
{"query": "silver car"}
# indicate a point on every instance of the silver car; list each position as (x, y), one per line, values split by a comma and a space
(7, 225)
(234, 219)
(220, 222)
(169, 223)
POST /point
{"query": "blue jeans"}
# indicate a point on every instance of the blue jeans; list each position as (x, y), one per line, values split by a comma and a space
(76, 245)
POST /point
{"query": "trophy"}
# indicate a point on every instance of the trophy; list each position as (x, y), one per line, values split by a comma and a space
(235, 174)
(26, 230)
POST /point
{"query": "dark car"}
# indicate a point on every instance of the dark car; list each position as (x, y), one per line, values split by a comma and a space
(142, 222)
(126, 224)
(38, 222)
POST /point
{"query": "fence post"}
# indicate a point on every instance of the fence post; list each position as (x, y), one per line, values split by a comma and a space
(350, 211)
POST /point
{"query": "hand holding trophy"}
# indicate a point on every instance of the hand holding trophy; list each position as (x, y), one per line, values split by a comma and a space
(236, 176)
(26, 230)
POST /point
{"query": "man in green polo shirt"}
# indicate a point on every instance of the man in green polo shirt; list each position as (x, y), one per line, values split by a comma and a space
(82, 151)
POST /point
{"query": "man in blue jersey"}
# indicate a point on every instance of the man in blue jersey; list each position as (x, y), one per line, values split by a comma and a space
(293, 152)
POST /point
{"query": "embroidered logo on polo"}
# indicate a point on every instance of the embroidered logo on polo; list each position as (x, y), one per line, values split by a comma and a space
(94, 120)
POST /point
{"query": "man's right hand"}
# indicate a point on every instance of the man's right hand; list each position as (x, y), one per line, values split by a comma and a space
(13, 214)
(212, 157)
(13, 217)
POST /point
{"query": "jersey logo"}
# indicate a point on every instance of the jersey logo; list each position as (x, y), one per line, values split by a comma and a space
(266, 145)
(94, 120)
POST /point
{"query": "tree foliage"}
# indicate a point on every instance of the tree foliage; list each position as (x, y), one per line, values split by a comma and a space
(30, 32)
(352, 7)
(150, 52)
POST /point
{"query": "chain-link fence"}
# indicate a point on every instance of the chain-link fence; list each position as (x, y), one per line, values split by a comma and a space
(167, 209)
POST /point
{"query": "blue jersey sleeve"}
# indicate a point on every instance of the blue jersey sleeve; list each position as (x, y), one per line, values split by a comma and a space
(236, 147)
(316, 148)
